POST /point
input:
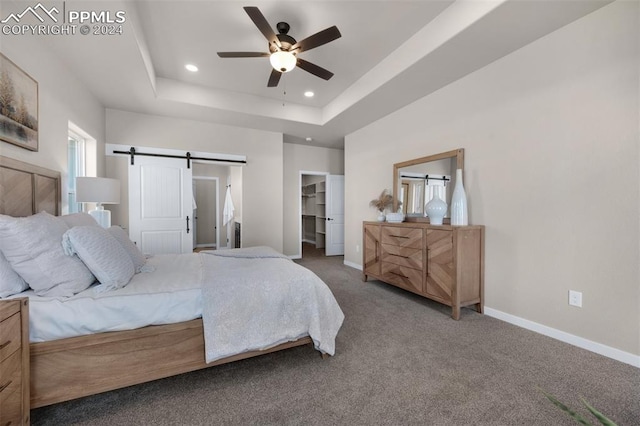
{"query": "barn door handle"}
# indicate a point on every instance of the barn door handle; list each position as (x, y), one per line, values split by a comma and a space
(187, 224)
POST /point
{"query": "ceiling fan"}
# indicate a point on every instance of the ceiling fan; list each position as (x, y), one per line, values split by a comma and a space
(284, 49)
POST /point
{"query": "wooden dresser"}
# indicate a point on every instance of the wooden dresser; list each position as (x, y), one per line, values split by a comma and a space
(441, 262)
(14, 362)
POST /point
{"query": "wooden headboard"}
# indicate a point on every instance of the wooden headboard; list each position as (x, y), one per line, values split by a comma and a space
(26, 189)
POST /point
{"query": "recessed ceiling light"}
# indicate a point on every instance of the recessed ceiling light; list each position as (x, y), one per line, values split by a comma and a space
(308, 139)
(309, 94)
(191, 67)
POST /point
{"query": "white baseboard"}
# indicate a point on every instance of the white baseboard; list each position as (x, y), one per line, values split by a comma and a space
(295, 256)
(599, 348)
(353, 265)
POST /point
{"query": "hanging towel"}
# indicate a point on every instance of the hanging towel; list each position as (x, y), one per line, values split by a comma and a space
(227, 215)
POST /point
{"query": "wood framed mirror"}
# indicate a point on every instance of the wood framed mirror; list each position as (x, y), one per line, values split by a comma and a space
(414, 182)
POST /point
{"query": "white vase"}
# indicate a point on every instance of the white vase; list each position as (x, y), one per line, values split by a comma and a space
(381, 217)
(435, 209)
(459, 212)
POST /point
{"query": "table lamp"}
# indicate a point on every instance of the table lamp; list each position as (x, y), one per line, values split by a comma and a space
(100, 191)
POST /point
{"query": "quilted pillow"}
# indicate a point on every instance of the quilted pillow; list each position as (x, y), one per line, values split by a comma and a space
(10, 282)
(102, 253)
(79, 219)
(32, 245)
(137, 257)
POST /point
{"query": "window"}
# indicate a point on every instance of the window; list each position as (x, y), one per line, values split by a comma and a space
(76, 163)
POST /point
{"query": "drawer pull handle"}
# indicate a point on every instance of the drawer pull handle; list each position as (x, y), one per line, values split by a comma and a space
(399, 236)
(3, 387)
(5, 344)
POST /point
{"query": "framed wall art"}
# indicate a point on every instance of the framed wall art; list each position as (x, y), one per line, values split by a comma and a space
(18, 106)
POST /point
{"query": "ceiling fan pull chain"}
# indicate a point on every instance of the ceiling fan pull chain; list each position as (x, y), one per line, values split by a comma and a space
(284, 94)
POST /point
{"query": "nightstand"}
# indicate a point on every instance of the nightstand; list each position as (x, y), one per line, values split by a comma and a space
(14, 362)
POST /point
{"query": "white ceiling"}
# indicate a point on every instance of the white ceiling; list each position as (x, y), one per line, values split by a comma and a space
(391, 53)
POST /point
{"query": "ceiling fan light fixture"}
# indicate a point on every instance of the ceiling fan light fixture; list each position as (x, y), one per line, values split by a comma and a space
(283, 61)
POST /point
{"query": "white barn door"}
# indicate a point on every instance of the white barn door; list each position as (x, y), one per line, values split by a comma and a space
(334, 242)
(161, 205)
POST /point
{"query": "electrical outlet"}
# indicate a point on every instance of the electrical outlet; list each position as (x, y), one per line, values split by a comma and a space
(357, 248)
(575, 298)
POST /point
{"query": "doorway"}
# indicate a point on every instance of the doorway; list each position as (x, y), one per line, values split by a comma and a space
(206, 223)
(321, 212)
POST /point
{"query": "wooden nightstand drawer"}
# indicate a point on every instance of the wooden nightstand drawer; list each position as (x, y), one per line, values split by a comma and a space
(403, 256)
(402, 276)
(14, 362)
(10, 377)
(9, 336)
(403, 237)
(11, 413)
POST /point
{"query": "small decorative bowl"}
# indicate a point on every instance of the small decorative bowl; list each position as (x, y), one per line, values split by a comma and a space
(395, 217)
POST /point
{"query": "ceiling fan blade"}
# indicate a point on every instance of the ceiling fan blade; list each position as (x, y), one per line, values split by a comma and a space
(274, 78)
(261, 22)
(317, 39)
(242, 54)
(314, 69)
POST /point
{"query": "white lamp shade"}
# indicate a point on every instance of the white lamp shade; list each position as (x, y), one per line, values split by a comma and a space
(97, 190)
(101, 191)
(283, 61)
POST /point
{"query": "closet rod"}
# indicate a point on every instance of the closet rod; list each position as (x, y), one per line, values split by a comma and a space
(132, 152)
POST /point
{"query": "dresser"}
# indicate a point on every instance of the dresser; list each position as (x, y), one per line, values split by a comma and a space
(440, 262)
(14, 362)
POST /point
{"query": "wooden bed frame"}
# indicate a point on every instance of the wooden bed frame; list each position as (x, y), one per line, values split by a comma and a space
(71, 368)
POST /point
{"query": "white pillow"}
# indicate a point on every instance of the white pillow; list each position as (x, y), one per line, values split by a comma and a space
(32, 245)
(79, 219)
(10, 282)
(137, 257)
(102, 253)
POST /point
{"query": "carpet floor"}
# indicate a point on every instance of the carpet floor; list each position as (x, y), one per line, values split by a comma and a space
(400, 360)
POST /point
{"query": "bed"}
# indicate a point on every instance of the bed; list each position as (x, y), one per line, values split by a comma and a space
(66, 368)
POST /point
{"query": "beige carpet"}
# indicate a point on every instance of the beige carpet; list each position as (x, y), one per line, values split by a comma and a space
(401, 360)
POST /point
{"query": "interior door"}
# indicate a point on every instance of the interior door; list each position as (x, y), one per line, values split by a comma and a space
(161, 205)
(334, 243)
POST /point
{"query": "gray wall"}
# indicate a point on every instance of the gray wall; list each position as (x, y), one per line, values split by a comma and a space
(261, 178)
(551, 169)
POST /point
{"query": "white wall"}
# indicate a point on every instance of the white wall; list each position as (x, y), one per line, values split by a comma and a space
(310, 159)
(261, 176)
(551, 169)
(62, 98)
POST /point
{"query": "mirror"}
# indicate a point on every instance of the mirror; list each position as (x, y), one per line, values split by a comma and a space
(415, 182)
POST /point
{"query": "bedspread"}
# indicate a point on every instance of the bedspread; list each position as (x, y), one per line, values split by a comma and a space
(256, 298)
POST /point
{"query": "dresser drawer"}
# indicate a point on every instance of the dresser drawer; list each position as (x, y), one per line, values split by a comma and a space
(9, 336)
(403, 256)
(11, 410)
(10, 377)
(402, 236)
(402, 276)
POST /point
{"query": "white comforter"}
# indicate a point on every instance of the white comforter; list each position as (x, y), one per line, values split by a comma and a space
(169, 294)
(251, 302)
(256, 298)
